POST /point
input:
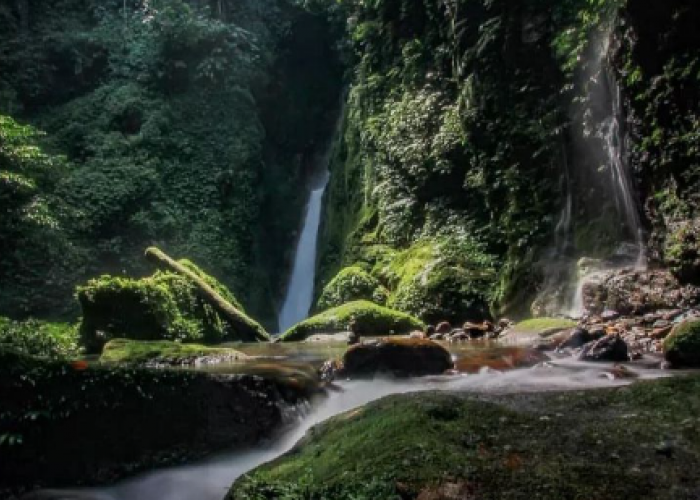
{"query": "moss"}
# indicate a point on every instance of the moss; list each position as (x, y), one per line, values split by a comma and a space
(371, 319)
(164, 306)
(136, 352)
(352, 283)
(682, 346)
(682, 250)
(40, 338)
(617, 443)
(542, 324)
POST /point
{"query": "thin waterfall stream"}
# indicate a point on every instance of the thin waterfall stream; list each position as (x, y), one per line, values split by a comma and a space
(608, 131)
(297, 302)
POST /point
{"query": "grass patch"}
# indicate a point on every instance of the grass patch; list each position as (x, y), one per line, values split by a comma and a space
(371, 319)
(635, 442)
(134, 351)
(540, 324)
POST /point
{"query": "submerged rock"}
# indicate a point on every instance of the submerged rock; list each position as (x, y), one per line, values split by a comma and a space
(400, 357)
(608, 348)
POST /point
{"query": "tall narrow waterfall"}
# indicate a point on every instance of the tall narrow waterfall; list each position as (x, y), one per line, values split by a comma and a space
(300, 291)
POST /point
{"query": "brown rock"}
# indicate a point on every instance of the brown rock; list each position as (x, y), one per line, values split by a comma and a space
(397, 356)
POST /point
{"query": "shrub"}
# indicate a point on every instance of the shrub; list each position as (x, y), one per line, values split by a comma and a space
(38, 338)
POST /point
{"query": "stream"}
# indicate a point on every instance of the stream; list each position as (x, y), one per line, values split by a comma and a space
(210, 479)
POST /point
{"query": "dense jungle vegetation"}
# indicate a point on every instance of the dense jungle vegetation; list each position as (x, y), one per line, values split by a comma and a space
(194, 125)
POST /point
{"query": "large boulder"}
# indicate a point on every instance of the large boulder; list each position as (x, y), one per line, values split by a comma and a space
(164, 306)
(608, 348)
(400, 357)
(629, 291)
(366, 317)
(352, 283)
(682, 346)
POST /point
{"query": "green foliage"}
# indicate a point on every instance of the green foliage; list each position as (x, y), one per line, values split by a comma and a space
(136, 352)
(163, 306)
(36, 255)
(451, 132)
(39, 338)
(183, 124)
(370, 319)
(682, 346)
(352, 283)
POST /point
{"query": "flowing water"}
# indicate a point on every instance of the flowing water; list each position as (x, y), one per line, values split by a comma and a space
(210, 479)
(606, 138)
(301, 285)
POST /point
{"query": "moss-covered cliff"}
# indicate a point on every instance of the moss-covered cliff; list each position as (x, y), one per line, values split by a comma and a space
(465, 133)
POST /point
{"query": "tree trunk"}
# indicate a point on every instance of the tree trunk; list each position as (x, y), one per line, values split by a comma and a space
(244, 325)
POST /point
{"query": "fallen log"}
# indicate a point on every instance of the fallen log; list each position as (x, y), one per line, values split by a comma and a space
(244, 325)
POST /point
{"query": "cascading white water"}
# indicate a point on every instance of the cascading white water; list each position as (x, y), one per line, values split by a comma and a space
(616, 151)
(604, 91)
(300, 291)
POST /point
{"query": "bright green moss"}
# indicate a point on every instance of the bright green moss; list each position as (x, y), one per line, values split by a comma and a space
(134, 351)
(164, 306)
(352, 283)
(682, 346)
(542, 324)
(406, 446)
(371, 319)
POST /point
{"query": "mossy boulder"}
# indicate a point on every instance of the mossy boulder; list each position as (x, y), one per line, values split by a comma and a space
(682, 250)
(543, 325)
(163, 351)
(633, 442)
(450, 279)
(352, 283)
(682, 346)
(400, 357)
(164, 306)
(369, 318)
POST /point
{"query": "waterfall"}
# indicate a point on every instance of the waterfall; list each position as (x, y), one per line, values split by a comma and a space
(615, 143)
(300, 291)
(603, 130)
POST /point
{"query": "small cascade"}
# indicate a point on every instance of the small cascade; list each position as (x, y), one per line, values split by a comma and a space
(615, 142)
(603, 128)
(300, 291)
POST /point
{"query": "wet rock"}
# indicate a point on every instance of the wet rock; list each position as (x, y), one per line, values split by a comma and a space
(459, 336)
(579, 337)
(443, 327)
(608, 348)
(416, 335)
(630, 292)
(609, 315)
(429, 330)
(661, 323)
(396, 356)
(501, 358)
(437, 336)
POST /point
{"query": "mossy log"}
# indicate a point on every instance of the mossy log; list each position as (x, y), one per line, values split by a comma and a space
(236, 318)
